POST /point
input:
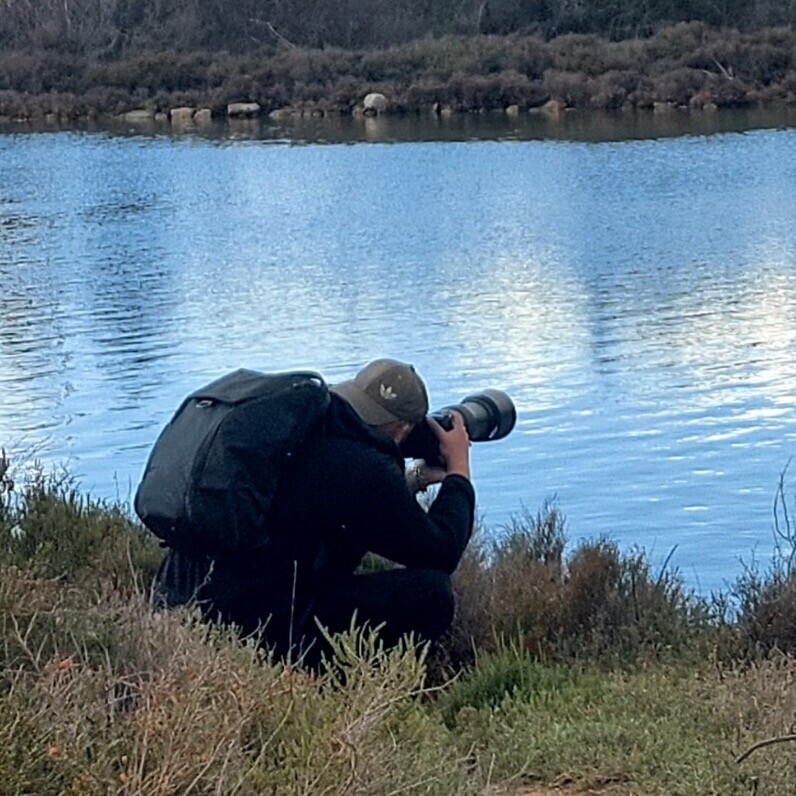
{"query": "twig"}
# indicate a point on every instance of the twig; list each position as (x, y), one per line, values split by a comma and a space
(761, 744)
(484, 9)
(272, 30)
(787, 533)
(724, 72)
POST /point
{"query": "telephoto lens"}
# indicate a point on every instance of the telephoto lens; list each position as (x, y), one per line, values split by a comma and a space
(487, 415)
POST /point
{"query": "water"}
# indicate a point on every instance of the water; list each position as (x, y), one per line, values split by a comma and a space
(636, 297)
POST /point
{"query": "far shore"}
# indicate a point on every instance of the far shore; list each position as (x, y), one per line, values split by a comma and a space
(682, 67)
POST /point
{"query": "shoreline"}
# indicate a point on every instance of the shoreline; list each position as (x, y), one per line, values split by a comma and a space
(589, 126)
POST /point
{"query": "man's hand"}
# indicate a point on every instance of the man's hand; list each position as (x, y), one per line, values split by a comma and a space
(454, 447)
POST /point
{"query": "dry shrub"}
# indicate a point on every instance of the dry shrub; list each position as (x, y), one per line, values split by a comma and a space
(531, 56)
(13, 105)
(99, 694)
(674, 42)
(314, 66)
(31, 608)
(767, 599)
(421, 94)
(761, 697)
(776, 36)
(466, 54)
(58, 533)
(766, 62)
(395, 64)
(590, 589)
(161, 70)
(624, 55)
(112, 694)
(468, 72)
(342, 97)
(587, 54)
(767, 609)
(598, 602)
(679, 85)
(569, 87)
(731, 93)
(612, 90)
(473, 92)
(433, 58)
(789, 84)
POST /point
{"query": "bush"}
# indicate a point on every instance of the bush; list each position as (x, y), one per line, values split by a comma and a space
(569, 87)
(679, 85)
(767, 599)
(597, 603)
(767, 612)
(497, 91)
(579, 53)
(612, 90)
(505, 674)
(49, 528)
(674, 42)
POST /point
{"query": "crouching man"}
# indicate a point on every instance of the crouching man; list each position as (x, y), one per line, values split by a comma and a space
(346, 494)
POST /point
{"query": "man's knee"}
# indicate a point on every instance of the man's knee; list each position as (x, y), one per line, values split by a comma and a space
(435, 602)
(400, 601)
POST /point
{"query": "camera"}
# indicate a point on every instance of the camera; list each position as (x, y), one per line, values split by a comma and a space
(489, 414)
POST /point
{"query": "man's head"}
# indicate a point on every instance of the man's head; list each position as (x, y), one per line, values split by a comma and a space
(386, 393)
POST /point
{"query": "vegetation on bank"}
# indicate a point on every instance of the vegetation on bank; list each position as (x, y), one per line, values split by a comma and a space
(584, 670)
(685, 65)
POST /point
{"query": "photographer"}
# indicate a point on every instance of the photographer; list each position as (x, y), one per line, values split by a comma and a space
(346, 493)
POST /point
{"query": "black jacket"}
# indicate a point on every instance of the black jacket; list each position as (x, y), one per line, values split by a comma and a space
(345, 495)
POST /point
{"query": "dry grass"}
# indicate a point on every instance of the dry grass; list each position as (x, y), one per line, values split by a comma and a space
(109, 695)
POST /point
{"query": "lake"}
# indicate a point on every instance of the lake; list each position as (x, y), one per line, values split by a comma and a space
(631, 283)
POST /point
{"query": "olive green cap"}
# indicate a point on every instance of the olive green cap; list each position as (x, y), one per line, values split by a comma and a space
(384, 391)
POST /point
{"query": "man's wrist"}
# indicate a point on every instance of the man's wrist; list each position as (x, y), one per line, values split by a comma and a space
(461, 467)
(416, 479)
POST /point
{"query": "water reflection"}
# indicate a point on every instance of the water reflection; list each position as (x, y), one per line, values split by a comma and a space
(570, 126)
(637, 299)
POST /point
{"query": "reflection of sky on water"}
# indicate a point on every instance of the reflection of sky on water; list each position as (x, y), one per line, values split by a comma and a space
(638, 300)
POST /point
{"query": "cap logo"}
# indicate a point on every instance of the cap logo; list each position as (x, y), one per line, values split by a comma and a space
(387, 392)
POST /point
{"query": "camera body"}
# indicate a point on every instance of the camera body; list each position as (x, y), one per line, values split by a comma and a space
(488, 415)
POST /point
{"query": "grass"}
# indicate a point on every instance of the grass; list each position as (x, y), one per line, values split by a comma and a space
(653, 730)
(583, 671)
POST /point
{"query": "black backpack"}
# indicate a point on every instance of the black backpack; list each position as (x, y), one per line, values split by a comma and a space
(214, 469)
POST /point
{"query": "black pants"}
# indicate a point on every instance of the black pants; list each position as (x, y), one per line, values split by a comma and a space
(398, 602)
(418, 601)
